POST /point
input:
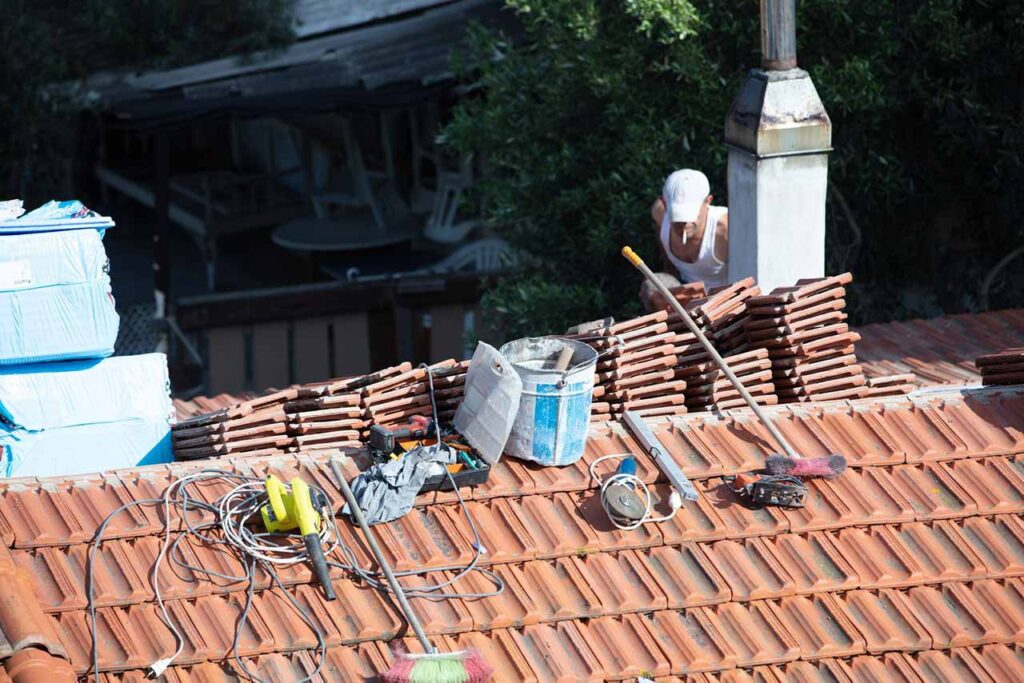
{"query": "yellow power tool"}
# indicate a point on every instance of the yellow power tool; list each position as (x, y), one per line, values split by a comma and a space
(297, 507)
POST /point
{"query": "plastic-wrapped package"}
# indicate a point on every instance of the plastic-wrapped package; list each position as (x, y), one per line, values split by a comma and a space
(85, 448)
(37, 397)
(45, 259)
(55, 301)
(58, 323)
(85, 416)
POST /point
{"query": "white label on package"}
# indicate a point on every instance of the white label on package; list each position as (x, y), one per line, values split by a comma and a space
(15, 274)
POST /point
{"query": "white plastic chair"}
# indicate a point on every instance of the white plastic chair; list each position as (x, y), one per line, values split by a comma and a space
(482, 256)
(441, 226)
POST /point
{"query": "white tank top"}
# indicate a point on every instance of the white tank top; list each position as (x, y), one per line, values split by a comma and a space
(707, 267)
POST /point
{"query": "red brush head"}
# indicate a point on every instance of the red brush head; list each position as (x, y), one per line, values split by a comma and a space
(828, 466)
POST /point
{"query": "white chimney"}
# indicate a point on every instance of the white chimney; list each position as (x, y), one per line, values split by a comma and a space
(779, 137)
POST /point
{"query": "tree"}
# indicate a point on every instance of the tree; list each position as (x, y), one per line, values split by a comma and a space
(46, 42)
(581, 119)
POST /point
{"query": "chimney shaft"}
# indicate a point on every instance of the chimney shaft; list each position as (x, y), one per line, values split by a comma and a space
(778, 34)
(779, 137)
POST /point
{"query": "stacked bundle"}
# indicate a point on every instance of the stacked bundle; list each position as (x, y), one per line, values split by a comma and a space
(397, 398)
(84, 415)
(333, 415)
(55, 300)
(722, 316)
(810, 345)
(635, 368)
(708, 388)
(1001, 368)
(256, 427)
(58, 324)
(891, 385)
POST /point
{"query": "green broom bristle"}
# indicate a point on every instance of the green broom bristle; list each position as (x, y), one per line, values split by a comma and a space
(466, 666)
(439, 670)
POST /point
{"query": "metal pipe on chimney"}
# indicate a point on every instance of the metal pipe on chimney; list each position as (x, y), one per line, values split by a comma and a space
(778, 35)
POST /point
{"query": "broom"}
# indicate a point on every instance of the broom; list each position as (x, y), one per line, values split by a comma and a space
(464, 666)
(791, 463)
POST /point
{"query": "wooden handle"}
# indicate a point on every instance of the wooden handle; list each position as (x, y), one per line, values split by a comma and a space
(563, 359)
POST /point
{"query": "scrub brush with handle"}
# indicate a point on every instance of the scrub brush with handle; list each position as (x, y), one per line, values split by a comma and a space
(433, 666)
(791, 463)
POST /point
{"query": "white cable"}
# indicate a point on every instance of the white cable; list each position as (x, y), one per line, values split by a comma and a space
(235, 510)
(675, 500)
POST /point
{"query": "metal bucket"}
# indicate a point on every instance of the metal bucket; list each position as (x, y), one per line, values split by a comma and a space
(554, 411)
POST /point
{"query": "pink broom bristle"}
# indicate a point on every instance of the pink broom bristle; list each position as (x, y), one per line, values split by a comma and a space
(401, 669)
(477, 670)
(828, 466)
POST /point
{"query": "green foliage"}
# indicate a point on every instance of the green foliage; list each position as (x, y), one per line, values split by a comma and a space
(46, 42)
(581, 120)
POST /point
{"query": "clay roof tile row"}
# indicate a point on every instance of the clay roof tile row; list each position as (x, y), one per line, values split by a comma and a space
(910, 565)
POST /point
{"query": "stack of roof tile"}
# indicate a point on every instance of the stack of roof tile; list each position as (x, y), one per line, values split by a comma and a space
(654, 365)
(636, 366)
(708, 388)
(1002, 367)
(810, 345)
(253, 427)
(396, 399)
(891, 385)
(333, 415)
(722, 315)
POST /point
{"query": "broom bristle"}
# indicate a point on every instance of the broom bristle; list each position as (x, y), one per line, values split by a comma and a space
(457, 667)
(828, 467)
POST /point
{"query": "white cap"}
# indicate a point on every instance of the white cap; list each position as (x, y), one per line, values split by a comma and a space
(684, 192)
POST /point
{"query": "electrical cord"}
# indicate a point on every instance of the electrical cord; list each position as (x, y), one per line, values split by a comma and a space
(230, 519)
(631, 480)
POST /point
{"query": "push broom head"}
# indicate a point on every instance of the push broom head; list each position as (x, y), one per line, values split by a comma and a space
(828, 466)
(466, 666)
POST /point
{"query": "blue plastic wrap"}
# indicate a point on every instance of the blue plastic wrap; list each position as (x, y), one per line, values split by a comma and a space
(84, 416)
(57, 323)
(85, 448)
(37, 397)
(68, 214)
(46, 259)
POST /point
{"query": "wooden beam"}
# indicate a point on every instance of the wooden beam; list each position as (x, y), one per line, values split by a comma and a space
(325, 299)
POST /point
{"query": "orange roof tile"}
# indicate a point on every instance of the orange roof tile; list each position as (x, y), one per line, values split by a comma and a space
(941, 350)
(909, 566)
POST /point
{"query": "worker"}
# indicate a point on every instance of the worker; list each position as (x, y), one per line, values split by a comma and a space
(693, 235)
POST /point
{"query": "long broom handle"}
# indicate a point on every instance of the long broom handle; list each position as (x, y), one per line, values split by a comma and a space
(635, 259)
(371, 540)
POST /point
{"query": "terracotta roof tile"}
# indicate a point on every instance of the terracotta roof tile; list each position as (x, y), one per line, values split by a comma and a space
(886, 621)
(686, 575)
(755, 632)
(692, 640)
(938, 351)
(814, 562)
(751, 568)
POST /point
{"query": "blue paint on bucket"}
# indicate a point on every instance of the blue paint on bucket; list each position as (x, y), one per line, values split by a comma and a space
(554, 411)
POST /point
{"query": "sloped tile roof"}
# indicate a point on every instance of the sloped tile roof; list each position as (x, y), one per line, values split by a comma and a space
(908, 567)
(940, 350)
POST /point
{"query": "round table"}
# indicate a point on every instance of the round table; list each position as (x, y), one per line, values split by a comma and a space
(353, 231)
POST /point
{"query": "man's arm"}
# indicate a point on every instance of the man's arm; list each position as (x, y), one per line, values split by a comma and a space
(657, 214)
(722, 239)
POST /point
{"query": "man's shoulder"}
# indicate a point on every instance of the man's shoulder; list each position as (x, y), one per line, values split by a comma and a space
(723, 216)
